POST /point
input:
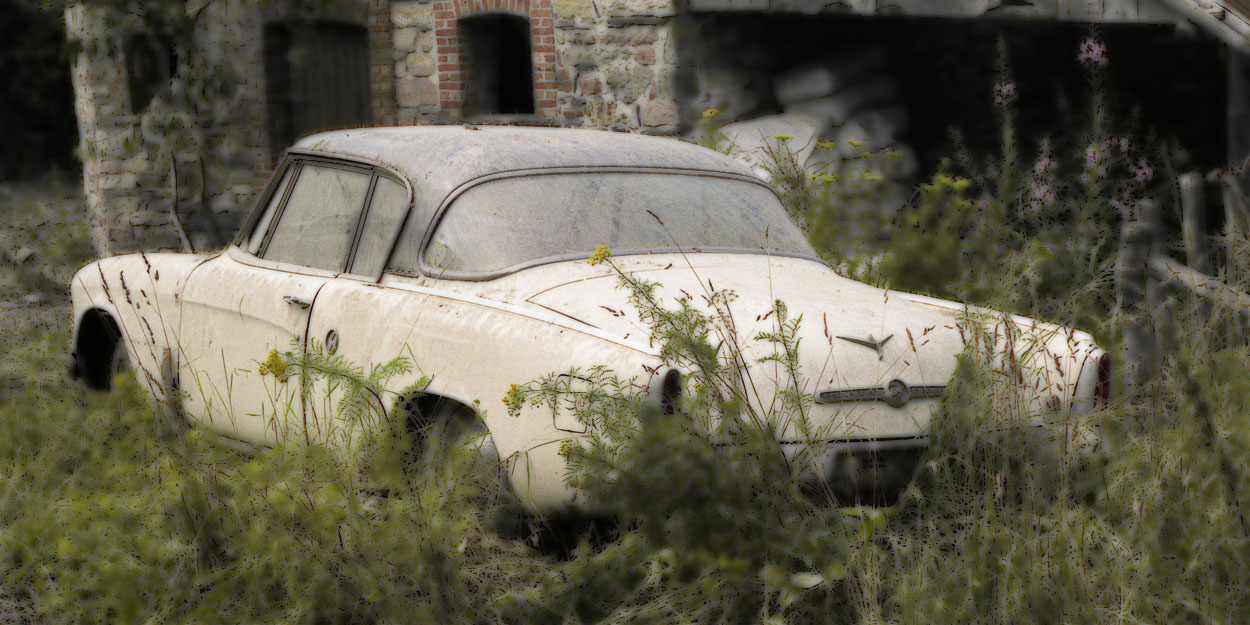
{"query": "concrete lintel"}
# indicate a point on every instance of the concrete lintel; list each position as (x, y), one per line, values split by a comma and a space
(1096, 11)
(1226, 19)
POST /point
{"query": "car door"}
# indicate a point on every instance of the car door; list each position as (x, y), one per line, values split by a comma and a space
(244, 307)
(353, 314)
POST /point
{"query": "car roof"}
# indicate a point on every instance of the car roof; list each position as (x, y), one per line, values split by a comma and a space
(438, 159)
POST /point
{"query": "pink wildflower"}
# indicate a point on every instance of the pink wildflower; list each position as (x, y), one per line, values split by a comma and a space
(1092, 52)
(1043, 193)
(1093, 154)
(1004, 93)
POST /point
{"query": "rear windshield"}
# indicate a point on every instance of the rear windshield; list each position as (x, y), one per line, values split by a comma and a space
(515, 221)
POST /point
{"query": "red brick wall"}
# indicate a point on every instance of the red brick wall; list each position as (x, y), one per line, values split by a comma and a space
(381, 64)
(451, 75)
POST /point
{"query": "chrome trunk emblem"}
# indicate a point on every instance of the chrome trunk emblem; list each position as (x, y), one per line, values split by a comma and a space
(896, 393)
(870, 343)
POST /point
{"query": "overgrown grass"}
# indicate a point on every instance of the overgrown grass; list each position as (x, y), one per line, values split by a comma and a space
(108, 514)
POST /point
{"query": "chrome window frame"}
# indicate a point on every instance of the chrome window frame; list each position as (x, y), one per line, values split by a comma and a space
(469, 276)
(297, 158)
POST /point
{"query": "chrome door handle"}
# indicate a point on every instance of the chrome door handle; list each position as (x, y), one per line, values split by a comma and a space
(296, 301)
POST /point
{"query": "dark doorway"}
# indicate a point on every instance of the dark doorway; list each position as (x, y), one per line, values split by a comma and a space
(498, 68)
(316, 78)
(37, 103)
(1159, 80)
(150, 63)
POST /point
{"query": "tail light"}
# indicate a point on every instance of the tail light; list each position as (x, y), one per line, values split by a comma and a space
(670, 391)
(1102, 387)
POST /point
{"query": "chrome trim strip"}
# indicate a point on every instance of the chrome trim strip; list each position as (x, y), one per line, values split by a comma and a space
(866, 445)
(896, 393)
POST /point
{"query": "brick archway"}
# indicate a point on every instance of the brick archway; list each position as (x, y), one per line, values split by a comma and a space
(451, 73)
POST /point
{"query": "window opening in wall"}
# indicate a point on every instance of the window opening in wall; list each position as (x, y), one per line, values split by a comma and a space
(150, 63)
(316, 78)
(495, 49)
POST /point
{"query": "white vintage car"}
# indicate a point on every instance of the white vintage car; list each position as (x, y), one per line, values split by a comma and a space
(465, 249)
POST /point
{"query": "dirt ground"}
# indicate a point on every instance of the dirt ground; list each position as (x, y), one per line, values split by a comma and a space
(44, 238)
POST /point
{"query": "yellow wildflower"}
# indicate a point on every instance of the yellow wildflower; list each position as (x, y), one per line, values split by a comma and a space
(274, 364)
(826, 145)
(783, 137)
(514, 399)
(710, 113)
(857, 143)
(601, 254)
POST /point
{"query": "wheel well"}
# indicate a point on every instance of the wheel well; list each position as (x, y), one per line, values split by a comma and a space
(98, 335)
(422, 408)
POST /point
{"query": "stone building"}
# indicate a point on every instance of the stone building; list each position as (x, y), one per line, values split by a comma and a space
(902, 71)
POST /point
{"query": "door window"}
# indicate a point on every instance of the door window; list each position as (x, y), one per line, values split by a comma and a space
(262, 225)
(316, 227)
(386, 212)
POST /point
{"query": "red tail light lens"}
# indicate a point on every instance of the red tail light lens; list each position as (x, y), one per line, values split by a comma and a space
(670, 391)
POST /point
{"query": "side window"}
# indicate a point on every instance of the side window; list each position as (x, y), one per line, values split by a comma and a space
(262, 225)
(315, 228)
(386, 212)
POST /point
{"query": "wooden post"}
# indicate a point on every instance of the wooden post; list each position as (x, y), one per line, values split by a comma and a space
(1194, 222)
(1136, 239)
(1194, 230)
(1198, 284)
(1161, 297)
(1238, 179)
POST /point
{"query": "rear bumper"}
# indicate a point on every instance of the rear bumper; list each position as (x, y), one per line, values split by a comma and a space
(868, 471)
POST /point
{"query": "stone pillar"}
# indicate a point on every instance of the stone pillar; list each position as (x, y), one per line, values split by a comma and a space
(414, 57)
(220, 163)
(120, 222)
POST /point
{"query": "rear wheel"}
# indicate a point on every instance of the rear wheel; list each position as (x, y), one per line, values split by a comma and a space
(441, 429)
(447, 435)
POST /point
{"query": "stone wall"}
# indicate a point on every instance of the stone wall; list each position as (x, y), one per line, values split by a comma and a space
(618, 64)
(212, 131)
(597, 64)
(135, 158)
(629, 65)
